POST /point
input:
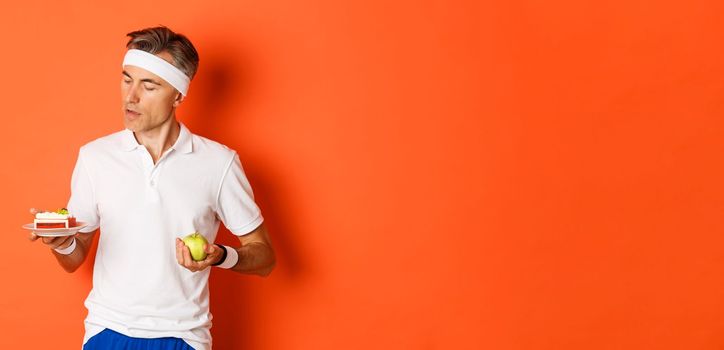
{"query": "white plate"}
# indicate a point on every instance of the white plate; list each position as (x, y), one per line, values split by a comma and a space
(55, 232)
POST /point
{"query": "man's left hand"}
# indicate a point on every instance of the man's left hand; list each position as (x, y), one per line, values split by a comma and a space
(183, 256)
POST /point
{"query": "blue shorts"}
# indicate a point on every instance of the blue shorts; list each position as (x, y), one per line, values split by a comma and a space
(111, 340)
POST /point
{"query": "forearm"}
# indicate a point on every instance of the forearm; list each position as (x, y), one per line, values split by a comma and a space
(255, 258)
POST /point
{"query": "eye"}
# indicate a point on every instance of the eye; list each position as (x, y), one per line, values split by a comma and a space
(149, 87)
(126, 81)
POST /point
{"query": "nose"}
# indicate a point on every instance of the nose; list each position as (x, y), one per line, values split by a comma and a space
(131, 94)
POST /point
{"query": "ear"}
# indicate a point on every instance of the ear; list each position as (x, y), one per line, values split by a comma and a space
(179, 98)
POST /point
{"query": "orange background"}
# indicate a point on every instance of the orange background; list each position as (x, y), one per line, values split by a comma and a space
(434, 174)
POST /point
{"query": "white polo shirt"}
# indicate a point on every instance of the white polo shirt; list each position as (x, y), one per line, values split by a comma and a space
(139, 289)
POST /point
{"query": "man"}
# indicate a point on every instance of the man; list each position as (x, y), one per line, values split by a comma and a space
(145, 187)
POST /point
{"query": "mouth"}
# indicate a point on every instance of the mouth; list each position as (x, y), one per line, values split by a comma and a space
(131, 114)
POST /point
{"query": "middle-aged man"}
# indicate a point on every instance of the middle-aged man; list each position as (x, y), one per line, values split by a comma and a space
(145, 187)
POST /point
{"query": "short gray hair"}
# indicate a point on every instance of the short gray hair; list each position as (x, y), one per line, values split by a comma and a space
(159, 39)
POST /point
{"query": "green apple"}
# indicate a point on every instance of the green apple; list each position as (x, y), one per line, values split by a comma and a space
(195, 242)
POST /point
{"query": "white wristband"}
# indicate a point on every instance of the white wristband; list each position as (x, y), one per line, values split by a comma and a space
(67, 250)
(232, 257)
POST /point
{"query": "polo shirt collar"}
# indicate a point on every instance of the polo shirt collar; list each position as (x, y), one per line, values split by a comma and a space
(183, 142)
(128, 141)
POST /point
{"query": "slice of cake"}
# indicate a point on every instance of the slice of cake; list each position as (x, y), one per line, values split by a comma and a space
(54, 219)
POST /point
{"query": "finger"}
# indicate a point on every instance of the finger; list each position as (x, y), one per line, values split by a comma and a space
(68, 241)
(62, 242)
(187, 257)
(212, 255)
(49, 240)
(33, 237)
(207, 248)
(200, 265)
(179, 253)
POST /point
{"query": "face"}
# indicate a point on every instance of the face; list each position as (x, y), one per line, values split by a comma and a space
(148, 101)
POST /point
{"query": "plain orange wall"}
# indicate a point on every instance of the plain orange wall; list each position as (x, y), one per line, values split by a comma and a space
(434, 174)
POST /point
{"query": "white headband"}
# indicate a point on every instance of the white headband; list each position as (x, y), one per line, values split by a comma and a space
(158, 66)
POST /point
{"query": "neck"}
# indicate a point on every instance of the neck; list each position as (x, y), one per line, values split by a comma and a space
(159, 139)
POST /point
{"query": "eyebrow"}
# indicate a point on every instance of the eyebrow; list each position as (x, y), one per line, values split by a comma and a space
(147, 80)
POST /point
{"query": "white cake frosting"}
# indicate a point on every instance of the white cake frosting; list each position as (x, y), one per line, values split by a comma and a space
(51, 216)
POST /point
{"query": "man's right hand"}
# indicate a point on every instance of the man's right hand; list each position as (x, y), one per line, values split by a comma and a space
(53, 242)
(71, 261)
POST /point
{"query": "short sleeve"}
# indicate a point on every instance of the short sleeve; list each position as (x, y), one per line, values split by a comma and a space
(82, 202)
(235, 204)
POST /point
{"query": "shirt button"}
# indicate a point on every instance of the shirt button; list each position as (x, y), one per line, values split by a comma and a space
(153, 183)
